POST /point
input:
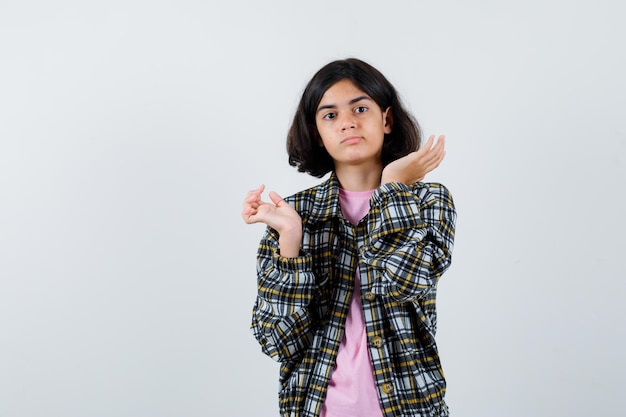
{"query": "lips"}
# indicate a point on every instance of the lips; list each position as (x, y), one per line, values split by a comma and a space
(351, 140)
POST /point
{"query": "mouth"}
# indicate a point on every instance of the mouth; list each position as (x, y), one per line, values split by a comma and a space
(351, 140)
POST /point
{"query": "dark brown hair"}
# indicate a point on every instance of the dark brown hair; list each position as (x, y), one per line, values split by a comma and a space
(303, 139)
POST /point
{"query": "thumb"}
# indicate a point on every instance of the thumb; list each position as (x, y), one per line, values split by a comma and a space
(276, 199)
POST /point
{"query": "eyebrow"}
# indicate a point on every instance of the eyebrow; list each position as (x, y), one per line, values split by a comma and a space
(333, 106)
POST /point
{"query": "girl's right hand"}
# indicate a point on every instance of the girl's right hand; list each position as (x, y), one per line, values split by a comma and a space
(278, 214)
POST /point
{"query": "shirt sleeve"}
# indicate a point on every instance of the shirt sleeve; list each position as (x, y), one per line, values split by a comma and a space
(281, 320)
(411, 238)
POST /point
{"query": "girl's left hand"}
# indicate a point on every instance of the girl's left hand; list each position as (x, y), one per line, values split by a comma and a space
(414, 166)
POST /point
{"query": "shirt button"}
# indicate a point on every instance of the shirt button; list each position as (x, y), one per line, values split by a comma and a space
(369, 296)
(387, 388)
(362, 250)
(376, 341)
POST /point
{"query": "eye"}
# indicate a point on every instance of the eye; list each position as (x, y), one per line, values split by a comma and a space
(360, 109)
(329, 116)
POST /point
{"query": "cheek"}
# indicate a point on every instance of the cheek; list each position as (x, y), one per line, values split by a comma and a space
(322, 135)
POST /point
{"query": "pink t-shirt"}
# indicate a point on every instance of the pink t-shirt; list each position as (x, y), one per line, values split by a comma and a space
(352, 390)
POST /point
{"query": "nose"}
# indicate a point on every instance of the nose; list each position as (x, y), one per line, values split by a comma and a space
(347, 121)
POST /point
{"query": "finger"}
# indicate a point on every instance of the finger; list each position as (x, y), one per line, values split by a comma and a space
(429, 155)
(426, 147)
(441, 141)
(442, 149)
(257, 191)
(252, 213)
(437, 155)
(432, 161)
(437, 151)
(249, 219)
(246, 213)
(429, 142)
(252, 198)
(254, 195)
(248, 210)
(435, 162)
(276, 199)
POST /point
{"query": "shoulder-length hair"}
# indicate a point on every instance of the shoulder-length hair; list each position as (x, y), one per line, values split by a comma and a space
(303, 139)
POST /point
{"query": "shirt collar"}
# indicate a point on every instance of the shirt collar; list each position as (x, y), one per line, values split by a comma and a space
(326, 204)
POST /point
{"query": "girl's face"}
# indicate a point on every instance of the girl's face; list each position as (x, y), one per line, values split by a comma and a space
(351, 125)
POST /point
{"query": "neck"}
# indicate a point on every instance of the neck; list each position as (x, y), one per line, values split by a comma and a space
(359, 178)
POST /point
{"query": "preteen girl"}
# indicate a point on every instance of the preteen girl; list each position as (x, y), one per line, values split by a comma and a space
(348, 270)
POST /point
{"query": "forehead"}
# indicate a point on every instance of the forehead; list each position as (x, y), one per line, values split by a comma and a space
(342, 92)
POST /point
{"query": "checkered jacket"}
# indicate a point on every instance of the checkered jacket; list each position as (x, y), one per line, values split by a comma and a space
(402, 247)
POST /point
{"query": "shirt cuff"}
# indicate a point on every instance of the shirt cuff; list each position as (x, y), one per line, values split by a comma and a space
(388, 190)
(303, 262)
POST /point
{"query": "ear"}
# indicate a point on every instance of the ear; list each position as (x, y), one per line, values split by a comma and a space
(388, 120)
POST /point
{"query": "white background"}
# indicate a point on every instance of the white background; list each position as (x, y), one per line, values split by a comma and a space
(131, 130)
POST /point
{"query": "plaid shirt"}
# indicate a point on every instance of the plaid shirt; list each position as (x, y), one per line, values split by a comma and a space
(402, 247)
